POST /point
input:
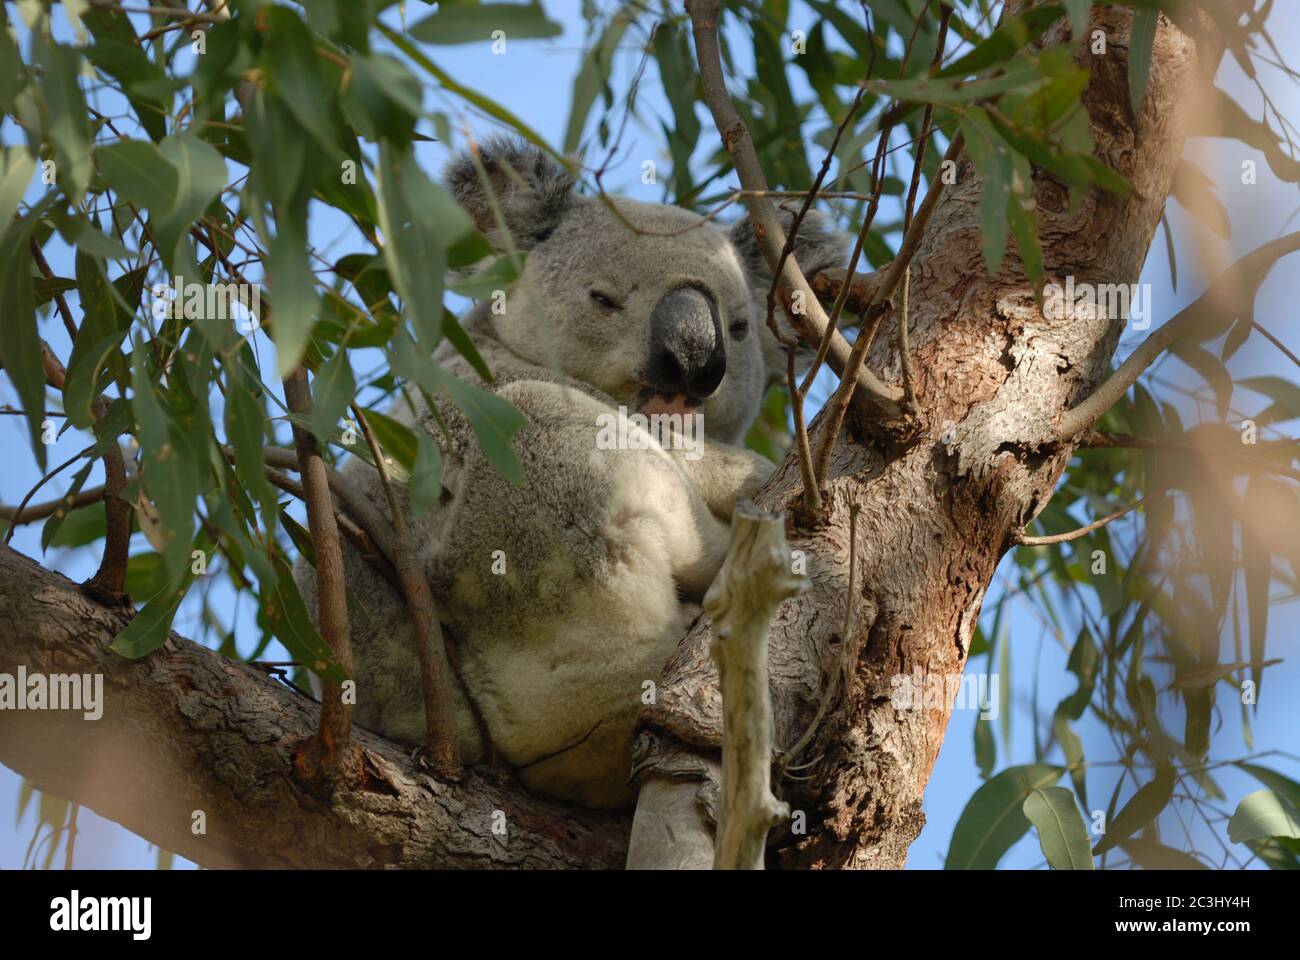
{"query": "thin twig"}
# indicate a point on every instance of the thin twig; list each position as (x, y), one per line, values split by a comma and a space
(426, 630)
(768, 233)
(1276, 342)
(40, 511)
(1024, 541)
(22, 504)
(893, 274)
(1095, 439)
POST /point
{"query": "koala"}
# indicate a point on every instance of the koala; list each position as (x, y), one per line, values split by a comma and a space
(563, 596)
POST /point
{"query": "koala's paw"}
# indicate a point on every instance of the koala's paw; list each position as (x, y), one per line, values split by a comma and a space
(726, 474)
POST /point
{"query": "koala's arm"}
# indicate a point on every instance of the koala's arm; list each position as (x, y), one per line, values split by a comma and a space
(724, 474)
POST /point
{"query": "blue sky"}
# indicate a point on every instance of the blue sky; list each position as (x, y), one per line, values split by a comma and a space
(534, 80)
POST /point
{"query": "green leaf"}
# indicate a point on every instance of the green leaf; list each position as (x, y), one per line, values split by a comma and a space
(986, 749)
(149, 628)
(286, 615)
(139, 174)
(486, 104)
(1224, 117)
(396, 438)
(1012, 35)
(295, 76)
(200, 177)
(1072, 747)
(499, 275)
(245, 420)
(20, 344)
(1195, 191)
(1079, 11)
(470, 23)
(170, 473)
(14, 181)
(302, 540)
(293, 286)
(67, 528)
(1143, 807)
(1211, 368)
(333, 389)
(989, 154)
(146, 86)
(1264, 814)
(1023, 219)
(104, 326)
(1061, 831)
(1142, 41)
(65, 117)
(143, 573)
(383, 98)
(455, 333)
(1284, 787)
(426, 478)
(1152, 855)
(593, 77)
(1083, 663)
(494, 420)
(1285, 395)
(994, 818)
(418, 219)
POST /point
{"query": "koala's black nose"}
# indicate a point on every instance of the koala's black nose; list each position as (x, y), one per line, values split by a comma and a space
(687, 351)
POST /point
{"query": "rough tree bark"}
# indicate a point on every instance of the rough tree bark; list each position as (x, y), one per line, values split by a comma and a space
(993, 377)
(186, 730)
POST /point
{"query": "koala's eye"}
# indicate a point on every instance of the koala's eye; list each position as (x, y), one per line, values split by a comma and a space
(604, 301)
(739, 328)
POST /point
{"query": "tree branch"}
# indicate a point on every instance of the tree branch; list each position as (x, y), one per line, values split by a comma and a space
(755, 578)
(771, 238)
(838, 405)
(331, 749)
(426, 631)
(1097, 440)
(1231, 294)
(109, 582)
(186, 729)
(1025, 541)
(39, 511)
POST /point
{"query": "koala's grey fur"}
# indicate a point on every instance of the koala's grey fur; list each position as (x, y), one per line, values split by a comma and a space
(601, 547)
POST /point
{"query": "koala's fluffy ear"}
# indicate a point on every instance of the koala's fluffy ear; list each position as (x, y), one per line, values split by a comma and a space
(533, 190)
(818, 246)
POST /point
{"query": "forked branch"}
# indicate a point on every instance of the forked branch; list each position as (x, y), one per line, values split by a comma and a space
(771, 239)
(1231, 294)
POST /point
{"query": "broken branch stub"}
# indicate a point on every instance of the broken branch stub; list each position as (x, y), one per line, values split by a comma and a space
(755, 578)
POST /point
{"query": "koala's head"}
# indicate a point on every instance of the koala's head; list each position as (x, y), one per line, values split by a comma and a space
(652, 304)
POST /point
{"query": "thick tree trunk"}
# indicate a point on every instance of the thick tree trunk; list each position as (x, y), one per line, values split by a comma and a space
(187, 730)
(993, 376)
